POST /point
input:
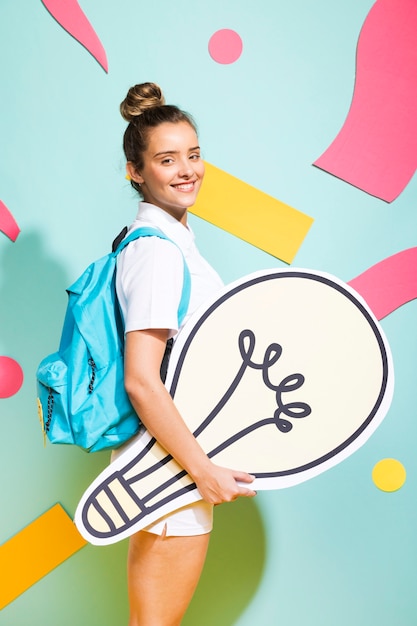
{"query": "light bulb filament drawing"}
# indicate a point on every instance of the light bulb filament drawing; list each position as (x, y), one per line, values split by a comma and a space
(289, 383)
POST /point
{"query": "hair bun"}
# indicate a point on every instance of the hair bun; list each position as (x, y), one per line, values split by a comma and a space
(139, 98)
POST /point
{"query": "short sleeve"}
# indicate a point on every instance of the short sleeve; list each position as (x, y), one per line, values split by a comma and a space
(149, 282)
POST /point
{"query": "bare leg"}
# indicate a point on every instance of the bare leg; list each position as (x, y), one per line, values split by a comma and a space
(163, 573)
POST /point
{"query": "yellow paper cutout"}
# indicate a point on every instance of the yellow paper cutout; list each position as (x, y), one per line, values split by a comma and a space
(251, 214)
(36, 550)
(389, 475)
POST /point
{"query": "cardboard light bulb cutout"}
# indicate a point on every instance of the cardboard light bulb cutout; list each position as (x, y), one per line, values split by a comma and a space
(285, 374)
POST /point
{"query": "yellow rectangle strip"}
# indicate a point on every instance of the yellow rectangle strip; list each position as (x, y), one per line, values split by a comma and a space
(251, 214)
(35, 551)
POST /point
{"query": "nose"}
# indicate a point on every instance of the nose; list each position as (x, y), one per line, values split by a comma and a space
(185, 168)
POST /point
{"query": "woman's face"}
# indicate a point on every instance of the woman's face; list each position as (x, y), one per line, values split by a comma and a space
(173, 170)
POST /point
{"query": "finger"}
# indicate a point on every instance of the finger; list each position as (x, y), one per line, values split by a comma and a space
(247, 493)
(243, 477)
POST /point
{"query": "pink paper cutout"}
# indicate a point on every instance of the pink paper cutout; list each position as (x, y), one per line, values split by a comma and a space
(390, 283)
(225, 46)
(8, 224)
(376, 149)
(70, 16)
(11, 377)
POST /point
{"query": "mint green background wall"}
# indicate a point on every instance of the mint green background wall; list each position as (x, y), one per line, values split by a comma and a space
(332, 552)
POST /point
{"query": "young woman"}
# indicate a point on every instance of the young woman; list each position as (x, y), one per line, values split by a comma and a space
(165, 167)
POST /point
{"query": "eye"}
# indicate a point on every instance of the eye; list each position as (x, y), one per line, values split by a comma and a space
(195, 156)
(167, 161)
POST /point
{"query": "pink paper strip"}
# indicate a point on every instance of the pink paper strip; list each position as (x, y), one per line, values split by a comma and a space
(8, 224)
(376, 149)
(390, 283)
(71, 17)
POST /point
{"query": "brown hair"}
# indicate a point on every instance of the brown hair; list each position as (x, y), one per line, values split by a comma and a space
(144, 108)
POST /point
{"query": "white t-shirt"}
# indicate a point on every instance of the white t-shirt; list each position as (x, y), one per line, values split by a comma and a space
(150, 272)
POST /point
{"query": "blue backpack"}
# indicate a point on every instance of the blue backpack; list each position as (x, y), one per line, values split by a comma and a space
(81, 394)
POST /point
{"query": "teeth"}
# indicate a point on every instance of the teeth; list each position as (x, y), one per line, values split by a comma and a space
(185, 186)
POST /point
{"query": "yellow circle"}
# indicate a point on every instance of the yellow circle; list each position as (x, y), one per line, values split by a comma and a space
(389, 475)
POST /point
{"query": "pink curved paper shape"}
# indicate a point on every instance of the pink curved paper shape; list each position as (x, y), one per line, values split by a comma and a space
(390, 283)
(376, 149)
(70, 16)
(8, 224)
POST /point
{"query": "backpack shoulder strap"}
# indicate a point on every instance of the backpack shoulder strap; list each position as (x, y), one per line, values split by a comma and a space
(145, 231)
(149, 231)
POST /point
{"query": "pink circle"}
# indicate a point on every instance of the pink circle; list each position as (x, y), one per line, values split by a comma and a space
(11, 377)
(225, 46)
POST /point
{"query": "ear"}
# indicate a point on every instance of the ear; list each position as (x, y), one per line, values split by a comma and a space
(132, 173)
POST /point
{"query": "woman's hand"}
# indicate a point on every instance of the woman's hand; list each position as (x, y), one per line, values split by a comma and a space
(219, 484)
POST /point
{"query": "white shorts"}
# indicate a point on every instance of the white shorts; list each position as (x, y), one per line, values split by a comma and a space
(193, 519)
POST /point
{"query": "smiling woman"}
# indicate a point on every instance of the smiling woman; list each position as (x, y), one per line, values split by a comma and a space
(165, 167)
(172, 170)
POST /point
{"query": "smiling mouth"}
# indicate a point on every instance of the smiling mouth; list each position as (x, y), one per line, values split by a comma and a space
(184, 186)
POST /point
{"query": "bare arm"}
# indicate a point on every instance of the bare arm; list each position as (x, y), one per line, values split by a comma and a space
(144, 351)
